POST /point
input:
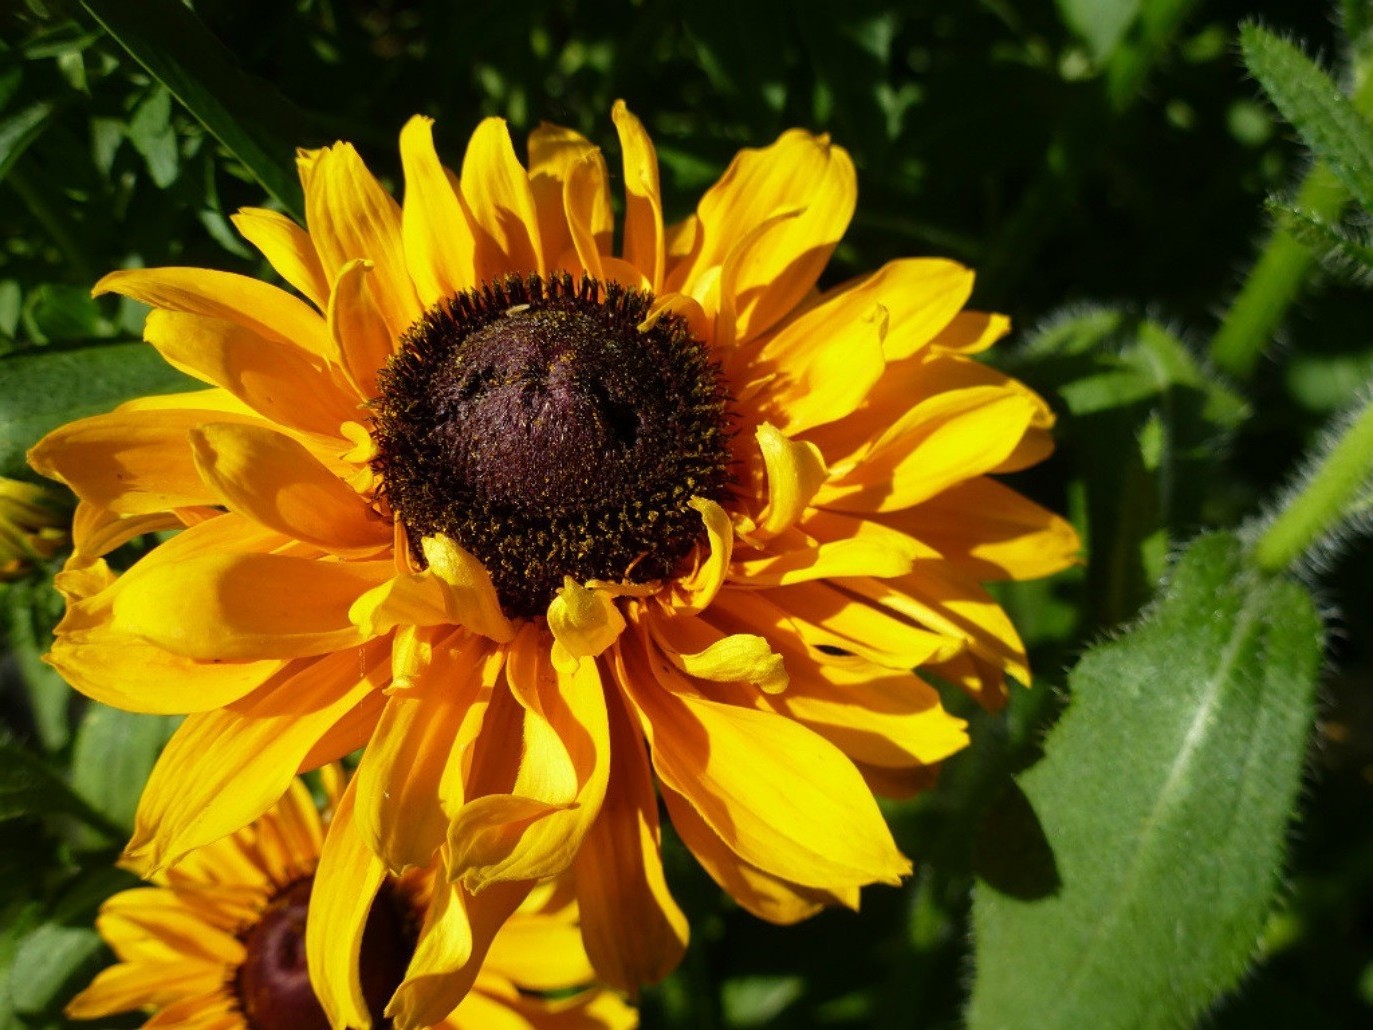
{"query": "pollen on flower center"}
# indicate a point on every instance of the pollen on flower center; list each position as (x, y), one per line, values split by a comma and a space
(273, 985)
(538, 425)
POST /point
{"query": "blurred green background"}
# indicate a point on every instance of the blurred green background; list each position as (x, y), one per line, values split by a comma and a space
(1078, 153)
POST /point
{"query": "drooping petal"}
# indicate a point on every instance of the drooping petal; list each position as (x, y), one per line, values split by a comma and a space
(643, 231)
(795, 472)
(586, 204)
(438, 239)
(634, 932)
(288, 248)
(248, 606)
(223, 769)
(457, 932)
(782, 797)
(700, 650)
(257, 306)
(554, 153)
(272, 479)
(360, 340)
(346, 882)
(505, 222)
(584, 622)
(701, 586)
(350, 216)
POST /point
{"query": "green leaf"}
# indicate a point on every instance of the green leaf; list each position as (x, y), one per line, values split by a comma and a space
(44, 389)
(58, 311)
(1339, 252)
(247, 115)
(112, 756)
(19, 130)
(1307, 98)
(17, 920)
(1143, 428)
(1165, 796)
(152, 135)
(29, 788)
(31, 606)
(50, 964)
(1101, 24)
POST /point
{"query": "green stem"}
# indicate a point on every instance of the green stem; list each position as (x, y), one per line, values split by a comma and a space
(1278, 276)
(1339, 482)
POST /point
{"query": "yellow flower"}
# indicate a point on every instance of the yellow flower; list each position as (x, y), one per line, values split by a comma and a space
(543, 525)
(32, 526)
(218, 941)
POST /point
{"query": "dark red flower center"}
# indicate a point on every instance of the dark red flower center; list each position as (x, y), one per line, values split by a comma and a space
(549, 429)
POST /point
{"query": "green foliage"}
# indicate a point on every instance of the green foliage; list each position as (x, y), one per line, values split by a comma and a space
(28, 787)
(1164, 801)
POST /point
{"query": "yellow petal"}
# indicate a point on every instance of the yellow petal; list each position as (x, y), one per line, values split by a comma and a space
(922, 296)
(505, 222)
(795, 472)
(540, 953)
(455, 588)
(643, 231)
(797, 171)
(132, 463)
(762, 894)
(584, 622)
(457, 932)
(945, 440)
(286, 384)
(257, 306)
(831, 559)
(399, 811)
(360, 341)
(780, 796)
(224, 768)
(134, 985)
(346, 882)
(247, 606)
(438, 240)
(272, 479)
(970, 332)
(350, 216)
(707, 579)
(700, 650)
(634, 932)
(288, 248)
(554, 153)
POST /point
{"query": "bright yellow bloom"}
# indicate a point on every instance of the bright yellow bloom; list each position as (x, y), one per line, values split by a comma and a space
(219, 941)
(32, 526)
(506, 527)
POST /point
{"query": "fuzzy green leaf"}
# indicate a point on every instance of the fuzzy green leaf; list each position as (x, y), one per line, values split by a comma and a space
(248, 116)
(1165, 796)
(1340, 253)
(46, 388)
(1307, 98)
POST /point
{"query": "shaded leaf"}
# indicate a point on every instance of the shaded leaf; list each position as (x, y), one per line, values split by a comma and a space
(112, 756)
(1307, 98)
(44, 389)
(246, 114)
(1165, 794)
(29, 788)
(1100, 24)
(50, 964)
(19, 130)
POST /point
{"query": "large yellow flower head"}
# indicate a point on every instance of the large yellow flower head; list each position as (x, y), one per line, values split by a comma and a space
(218, 941)
(506, 503)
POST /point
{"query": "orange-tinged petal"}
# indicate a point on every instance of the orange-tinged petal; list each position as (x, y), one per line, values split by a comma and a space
(457, 932)
(346, 882)
(643, 231)
(350, 216)
(554, 153)
(438, 239)
(132, 463)
(634, 932)
(563, 769)
(360, 340)
(539, 953)
(505, 222)
(399, 811)
(764, 895)
(247, 606)
(273, 480)
(705, 582)
(223, 769)
(253, 304)
(285, 383)
(289, 249)
(782, 797)
(165, 917)
(946, 440)
(134, 985)
(797, 171)
(991, 531)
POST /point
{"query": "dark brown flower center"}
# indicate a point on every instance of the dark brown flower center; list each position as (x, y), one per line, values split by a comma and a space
(273, 984)
(543, 425)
